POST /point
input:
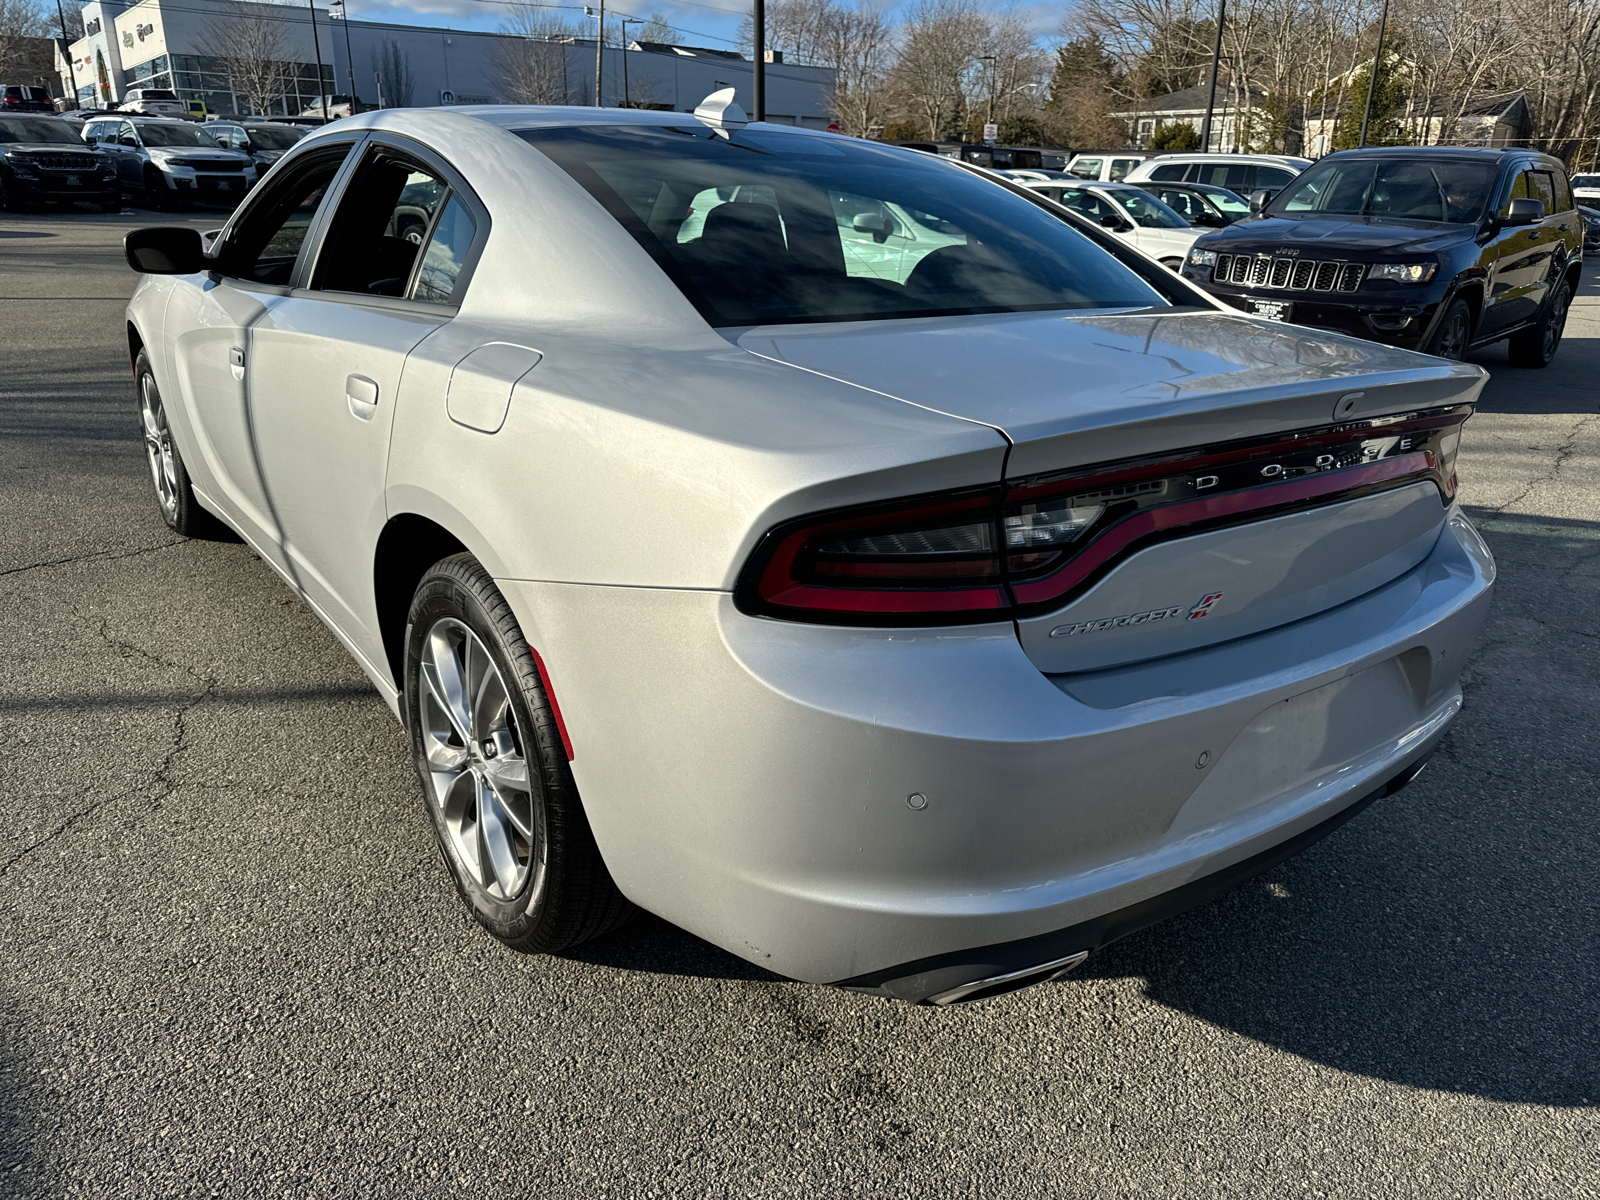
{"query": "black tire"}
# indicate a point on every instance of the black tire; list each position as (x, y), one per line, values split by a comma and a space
(8, 198)
(1537, 346)
(175, 499)
(157, 195)
(1453, 334)
(567, 895)
(111, 206)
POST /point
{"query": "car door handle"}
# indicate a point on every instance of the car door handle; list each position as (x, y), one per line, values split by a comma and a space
(236, 361)
(361, 394)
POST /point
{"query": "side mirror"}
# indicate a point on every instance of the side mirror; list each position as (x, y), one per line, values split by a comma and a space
(1111, 221)
(1524, 211)
(879, 225)
(1258, 200)
(165, 250)
(1206, 218)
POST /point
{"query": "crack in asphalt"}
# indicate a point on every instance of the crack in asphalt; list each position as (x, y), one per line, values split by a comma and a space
(1563, 452)
(163, 779)
(96, 555)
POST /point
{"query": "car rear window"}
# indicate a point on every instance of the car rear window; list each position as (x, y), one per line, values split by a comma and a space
(1445, 190)
(766, 226)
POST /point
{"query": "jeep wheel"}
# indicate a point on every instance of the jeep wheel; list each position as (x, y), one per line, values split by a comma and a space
(1536, 347)
(1454, 331)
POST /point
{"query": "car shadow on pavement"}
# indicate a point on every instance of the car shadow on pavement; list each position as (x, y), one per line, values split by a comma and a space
(1445, 938)
(20, 1106)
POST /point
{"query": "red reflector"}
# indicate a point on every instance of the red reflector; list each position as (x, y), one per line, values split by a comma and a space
(555, 709)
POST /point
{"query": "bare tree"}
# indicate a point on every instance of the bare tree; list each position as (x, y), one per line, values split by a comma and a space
(253, 49)
(531, 62)
(937, 68)
(393, 69)
(857, 43)
(657, 30)
(19, 19)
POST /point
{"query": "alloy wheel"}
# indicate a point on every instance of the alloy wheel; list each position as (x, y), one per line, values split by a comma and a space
(158, 446)
(1556, 323)
(476, 763)
(1453, 337)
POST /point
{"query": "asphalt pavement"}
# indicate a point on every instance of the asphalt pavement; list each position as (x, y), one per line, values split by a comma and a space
(232, 963)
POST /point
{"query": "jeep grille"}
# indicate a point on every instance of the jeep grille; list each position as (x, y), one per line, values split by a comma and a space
(1288, 274)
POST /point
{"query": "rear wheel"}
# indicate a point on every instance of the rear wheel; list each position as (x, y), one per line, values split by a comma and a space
(494, 772)
(174, 497)
(1536, 347)
(1453, 333)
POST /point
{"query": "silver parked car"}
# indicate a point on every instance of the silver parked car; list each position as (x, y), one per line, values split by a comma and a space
(171, 163)
(913, 615)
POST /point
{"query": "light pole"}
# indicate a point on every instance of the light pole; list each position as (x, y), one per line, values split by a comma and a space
(599, 44)
(758, 69)
(990, 59)
(316, 47)
(626, 21)
(349, 58)
(1372, 77)
(1216, 57)
(66, 52)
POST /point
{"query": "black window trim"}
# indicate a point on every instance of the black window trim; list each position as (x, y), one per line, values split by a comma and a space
(455, 185)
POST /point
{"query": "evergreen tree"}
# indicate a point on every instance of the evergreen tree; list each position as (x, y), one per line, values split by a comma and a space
(1388, 105)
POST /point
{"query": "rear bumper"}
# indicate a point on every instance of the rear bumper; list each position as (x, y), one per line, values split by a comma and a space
(847, 805)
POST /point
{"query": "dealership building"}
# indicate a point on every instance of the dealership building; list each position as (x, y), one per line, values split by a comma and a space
(200, 49)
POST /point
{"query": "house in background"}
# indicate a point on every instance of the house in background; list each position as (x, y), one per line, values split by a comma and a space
(1230, 123)
(1497, 120)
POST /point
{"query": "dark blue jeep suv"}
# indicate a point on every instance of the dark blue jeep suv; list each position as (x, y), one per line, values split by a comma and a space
(1429, 248)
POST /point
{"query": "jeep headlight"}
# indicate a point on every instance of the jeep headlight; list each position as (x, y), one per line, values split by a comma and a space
(20, 166)
(1403, 272)
(1202, 258)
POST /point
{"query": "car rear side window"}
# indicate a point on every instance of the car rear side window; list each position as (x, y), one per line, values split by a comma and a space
(380, 227)
(1563, 192)
(446, 254)
(786, 227)
(1273, 177)
(1171, 173)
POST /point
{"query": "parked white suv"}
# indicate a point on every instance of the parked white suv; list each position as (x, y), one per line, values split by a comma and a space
(153, 102)
(1586, 190)
(1107, 165)
(1241, 173)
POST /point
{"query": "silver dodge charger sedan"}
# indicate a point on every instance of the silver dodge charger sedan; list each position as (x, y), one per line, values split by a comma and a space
(873, 569)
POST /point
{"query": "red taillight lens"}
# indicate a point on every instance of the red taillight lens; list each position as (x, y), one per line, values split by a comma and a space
(900, 563)
(1032, 546)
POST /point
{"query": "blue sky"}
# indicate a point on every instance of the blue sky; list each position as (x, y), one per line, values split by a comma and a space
(699, 22)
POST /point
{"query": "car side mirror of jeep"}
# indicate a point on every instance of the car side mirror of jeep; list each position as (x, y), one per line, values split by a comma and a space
(1111, 221)
(1524, 210)
(1258, 200)
(165, 250)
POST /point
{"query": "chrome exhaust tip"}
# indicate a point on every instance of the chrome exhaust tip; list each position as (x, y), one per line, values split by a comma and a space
(1011, 981)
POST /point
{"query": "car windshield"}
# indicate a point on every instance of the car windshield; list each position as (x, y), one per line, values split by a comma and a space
(157, 94)
(1453, 191)
(1586, 181)
(1227, 201)
(176, 135)
(765, 226)
(1146, 210)
(37, 129)
(274, 137)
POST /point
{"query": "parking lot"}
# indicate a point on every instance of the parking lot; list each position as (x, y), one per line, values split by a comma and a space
(232, 963)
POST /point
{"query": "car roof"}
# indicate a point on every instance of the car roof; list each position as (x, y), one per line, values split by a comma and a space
(1481, 152)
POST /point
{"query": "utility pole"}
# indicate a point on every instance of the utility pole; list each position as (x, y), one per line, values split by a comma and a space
(599, 46)
(66, 53)
(1216, 58)
(316, 46)
(990, 59)
(626, 21)
(758, 69)
(1372, 77)
(349, 58)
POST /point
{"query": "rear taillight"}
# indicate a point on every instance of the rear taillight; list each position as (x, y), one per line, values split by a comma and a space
(1030, 547)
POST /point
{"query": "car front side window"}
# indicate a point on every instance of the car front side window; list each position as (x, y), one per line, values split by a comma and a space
(267, 242)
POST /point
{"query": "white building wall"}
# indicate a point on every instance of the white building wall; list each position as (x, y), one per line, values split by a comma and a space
(447, 66)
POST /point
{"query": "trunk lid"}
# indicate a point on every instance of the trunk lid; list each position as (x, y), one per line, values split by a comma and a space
(1193, 407)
